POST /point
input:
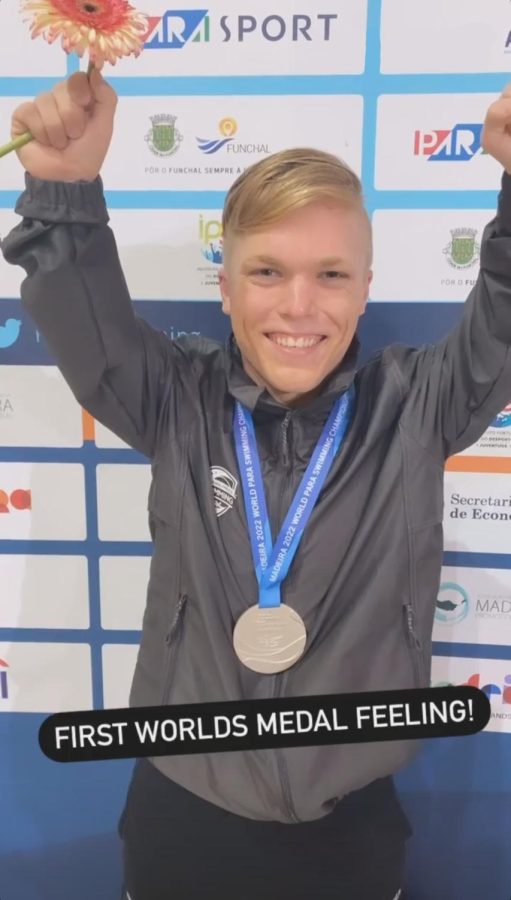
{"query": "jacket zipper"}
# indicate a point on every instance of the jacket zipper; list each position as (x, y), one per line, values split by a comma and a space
(414, 644)
(279, 679)
(285, 459)
(172, 640)
(281, 764)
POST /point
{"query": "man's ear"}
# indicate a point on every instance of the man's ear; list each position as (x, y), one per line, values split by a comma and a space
(369, 279)
(224, 291)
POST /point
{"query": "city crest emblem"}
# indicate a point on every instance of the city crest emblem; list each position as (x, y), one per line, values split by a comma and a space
(463, 251)
(224, 489)
(164, 138)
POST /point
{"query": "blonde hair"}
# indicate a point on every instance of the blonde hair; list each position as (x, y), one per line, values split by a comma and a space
(283, 182)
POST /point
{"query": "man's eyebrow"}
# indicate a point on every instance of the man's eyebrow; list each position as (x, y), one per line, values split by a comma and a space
(273, 261)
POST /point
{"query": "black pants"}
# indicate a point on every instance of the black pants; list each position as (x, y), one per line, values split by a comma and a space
(178, 846)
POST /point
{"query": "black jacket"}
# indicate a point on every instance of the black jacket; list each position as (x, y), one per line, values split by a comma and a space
(366, 574)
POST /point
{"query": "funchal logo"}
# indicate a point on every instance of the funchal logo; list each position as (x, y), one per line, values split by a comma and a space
(224, 489)
(503, 420)
(462, 251)
(227, 128)
(452, 603)
(163, 137)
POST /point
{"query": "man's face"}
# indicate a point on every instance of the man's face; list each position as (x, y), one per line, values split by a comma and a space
(294, 292)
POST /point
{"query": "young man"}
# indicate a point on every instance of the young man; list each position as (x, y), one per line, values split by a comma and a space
(231, 431)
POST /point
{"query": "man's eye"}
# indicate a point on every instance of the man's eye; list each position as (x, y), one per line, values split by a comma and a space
(264, 272)
(334, 274)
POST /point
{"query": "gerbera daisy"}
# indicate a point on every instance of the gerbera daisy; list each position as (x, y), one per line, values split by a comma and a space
(108, 29)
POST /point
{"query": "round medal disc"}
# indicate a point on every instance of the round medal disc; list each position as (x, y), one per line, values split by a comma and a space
(269, 639)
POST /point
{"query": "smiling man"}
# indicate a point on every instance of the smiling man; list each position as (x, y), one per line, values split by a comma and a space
(296, 499)
(296, 284)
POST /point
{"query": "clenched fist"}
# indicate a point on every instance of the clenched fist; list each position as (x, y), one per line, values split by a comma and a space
(496, 135)
(72, 127)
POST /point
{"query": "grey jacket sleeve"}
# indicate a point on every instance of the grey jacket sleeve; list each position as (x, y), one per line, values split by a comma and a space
(456, 388)
(117, 366)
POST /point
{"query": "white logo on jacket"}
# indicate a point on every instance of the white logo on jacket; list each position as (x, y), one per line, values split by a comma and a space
(224, 489)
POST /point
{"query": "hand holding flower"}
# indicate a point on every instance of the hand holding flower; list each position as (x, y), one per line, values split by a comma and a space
(107, 29)
(72, 128)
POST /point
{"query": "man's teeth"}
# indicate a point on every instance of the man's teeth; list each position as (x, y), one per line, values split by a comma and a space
(286, 341)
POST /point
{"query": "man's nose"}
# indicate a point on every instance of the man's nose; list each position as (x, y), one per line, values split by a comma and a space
(298, 299)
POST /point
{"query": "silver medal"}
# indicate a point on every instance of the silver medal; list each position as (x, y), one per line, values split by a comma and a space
(269, 639)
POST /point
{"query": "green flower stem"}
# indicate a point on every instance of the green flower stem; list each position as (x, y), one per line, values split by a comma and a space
(25, 138)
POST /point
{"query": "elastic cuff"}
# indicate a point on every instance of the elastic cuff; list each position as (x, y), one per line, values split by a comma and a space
(63, 201)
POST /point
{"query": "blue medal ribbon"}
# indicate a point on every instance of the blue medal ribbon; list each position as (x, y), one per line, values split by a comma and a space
(273, 564)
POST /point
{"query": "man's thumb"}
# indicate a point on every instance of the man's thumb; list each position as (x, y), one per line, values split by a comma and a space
(105, 98)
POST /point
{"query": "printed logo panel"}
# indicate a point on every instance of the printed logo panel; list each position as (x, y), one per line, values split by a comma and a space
(23, 55)
(473, 606)
(43, 591)
(43, 677)
(458, 36)
(42, 501)
(426, 255)
(250, 39)
(170, 254)
(37, 408)
(477, 512)
(496, 440)
(204, 143)
(493, 676)
(107, 439)
(433, 142)
(123, 582)
(122, 502)
(118, 667)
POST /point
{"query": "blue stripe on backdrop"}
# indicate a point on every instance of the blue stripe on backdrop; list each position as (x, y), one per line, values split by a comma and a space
(383, 324)
(215, 199)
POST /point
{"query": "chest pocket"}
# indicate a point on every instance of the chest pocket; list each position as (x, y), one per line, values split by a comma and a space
(424, 480)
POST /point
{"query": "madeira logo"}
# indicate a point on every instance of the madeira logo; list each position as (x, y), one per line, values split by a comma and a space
(224, 489)
(452, 603)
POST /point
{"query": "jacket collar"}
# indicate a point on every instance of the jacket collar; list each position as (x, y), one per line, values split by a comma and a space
(255, 397)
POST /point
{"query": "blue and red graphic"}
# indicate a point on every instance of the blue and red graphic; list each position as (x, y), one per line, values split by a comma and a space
(459, 144)
(4, 688)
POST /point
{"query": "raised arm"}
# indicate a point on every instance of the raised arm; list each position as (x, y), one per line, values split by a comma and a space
(118, 367)
(456, 387)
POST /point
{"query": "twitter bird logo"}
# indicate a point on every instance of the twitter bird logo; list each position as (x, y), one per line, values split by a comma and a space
(9, 333)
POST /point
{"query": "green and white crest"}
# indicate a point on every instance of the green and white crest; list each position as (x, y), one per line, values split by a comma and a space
(463, 250)
(164, 138)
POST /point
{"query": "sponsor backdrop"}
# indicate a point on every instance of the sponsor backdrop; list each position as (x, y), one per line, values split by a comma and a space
(399, 89)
